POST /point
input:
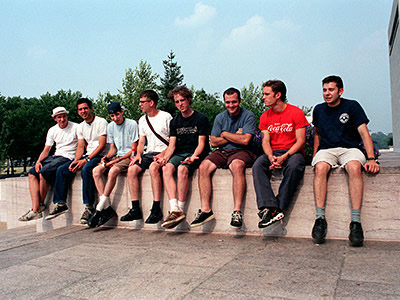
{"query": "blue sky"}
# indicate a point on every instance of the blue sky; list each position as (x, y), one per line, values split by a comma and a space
(86, 46)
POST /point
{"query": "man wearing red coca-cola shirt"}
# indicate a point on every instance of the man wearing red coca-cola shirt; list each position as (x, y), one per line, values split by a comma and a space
(283, 131)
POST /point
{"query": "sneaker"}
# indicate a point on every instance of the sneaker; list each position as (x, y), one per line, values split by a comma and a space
(30, 215)
(106, 215)
(202, 217)
(269, 216)
(58, 210)
(155, 216)
(87, 213)
(173, 219)
(42, 207)
(319, 231)
(356, 236)
(237, 220)
(133, 214)
(94, 219)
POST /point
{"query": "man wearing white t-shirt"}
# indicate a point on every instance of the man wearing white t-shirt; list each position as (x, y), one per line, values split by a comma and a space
(156, 145)
(64, 135)
(92, 135)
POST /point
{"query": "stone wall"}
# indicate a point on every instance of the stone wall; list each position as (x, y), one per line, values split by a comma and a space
(379, 215)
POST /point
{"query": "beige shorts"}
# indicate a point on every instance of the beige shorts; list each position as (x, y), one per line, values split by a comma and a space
(339, 157)
(123, 164)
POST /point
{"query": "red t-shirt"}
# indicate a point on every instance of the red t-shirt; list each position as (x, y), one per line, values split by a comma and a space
(282, 126)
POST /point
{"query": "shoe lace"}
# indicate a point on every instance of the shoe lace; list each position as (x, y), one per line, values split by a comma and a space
(237, 216)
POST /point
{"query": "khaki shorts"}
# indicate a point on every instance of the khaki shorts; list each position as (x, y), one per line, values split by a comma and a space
(339, 157)
(123, 164)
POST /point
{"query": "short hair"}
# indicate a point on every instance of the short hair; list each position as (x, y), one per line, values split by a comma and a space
(231, 91)
(150, 94)
(84, 100)
(277, 86)
(333, 78)
(181, 90)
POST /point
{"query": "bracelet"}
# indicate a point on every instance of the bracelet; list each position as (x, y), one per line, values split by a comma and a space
(371, 158)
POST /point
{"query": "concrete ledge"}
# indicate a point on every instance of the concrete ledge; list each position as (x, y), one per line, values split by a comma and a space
(379, 215)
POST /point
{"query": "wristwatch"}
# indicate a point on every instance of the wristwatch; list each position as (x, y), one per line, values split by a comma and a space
(372, 158)
(86, 157)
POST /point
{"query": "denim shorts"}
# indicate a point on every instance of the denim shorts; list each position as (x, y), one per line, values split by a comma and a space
(49, 168)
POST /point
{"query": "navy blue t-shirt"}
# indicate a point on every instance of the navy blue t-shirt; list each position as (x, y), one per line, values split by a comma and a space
(187, 131)
(338, 125)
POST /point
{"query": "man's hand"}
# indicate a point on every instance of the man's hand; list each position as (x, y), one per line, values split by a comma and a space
(76, 165)
(371, 167)
(38, 166)
(189, 160)
(134, 159)
(160, 159)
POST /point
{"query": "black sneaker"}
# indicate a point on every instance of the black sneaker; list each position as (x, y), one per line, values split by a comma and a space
(237, 220)
(133, 214)
(319, 231)
(156, 216)
(58, 210)
(94, 219)
(87, 213)
(202, 217)
(356, 236)
(106, 215)
(269, 216)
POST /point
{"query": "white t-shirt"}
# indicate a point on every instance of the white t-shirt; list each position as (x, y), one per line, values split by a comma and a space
(91, 133)
(122, 136)
(66, 139)
(160, 124)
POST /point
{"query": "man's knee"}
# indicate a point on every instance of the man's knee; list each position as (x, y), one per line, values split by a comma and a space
(206, 168)
(133, 171)
(353, 168)
(322, 168)
(114, 171)
(183, 171)
(97, 171)
(154, 169)
(237, 166)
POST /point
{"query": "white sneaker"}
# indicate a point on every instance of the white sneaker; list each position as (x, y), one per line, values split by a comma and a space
(30, 215)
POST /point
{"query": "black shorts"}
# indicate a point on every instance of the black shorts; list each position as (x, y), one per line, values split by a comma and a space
(147, 159)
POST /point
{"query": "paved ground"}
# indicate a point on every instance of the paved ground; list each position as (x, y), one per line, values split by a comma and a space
(110, 263)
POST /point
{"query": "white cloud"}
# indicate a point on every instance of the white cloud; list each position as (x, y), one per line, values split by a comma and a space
(257, 29)
(202, 14)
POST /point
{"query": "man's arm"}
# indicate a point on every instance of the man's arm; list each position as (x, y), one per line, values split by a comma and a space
(125, 156)
(300, 140)
(371, 166)
(100, 147)
(317, 141)
(163, 159)
(78, 163)
(45, 153)
(238, 137)
(217, 141)
(139, 150)
(266, 144)
(199, 149)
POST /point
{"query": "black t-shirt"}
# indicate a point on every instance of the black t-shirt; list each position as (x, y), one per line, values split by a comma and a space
(338, 125)
(188, 130)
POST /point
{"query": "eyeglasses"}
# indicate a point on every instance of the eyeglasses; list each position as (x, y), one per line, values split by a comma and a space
(141, 102)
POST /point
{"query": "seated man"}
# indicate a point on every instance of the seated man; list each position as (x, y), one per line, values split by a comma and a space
(63, 134)
(188, 145)
(232, 133)
(153, 128)
(283, 131)
(91, 133)
(122, 135)
(341, 125)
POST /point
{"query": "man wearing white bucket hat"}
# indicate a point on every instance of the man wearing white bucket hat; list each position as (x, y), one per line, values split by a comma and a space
(42, 175)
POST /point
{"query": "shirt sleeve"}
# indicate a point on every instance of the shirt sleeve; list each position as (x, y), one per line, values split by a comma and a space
(50, 139)
(204, 128)
(250, 124)
(217, 127)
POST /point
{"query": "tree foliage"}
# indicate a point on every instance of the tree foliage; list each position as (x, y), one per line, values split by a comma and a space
(172, 78)
(252, 100)
(100, 105)
(135, 82)
(209, 104)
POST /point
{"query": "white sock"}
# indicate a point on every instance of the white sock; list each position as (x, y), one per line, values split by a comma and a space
(181, 205)
(173, 204)
(104, 202)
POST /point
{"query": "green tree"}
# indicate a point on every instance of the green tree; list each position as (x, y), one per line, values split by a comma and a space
(172, 78)
(252, 100)
(135, 82)
(100, 105)
(209, 104)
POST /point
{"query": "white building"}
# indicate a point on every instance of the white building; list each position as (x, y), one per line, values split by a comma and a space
(394, 61)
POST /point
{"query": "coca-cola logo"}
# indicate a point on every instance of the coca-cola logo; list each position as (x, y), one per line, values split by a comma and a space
(278, 128)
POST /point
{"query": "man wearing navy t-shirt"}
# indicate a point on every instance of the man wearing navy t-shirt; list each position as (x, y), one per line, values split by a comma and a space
(341, 125)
